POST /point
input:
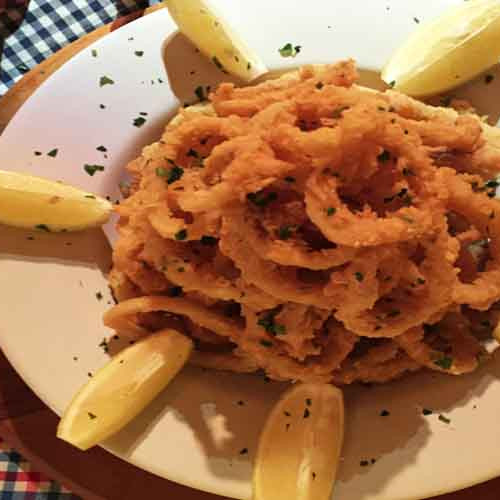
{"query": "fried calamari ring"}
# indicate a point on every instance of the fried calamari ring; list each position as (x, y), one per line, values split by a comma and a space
(458, 352)
(271, 356)
(484, 214)
(413, 301)
(379, 363)
(283, 283)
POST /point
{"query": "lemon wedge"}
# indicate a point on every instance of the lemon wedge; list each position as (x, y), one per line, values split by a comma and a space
(121, 389)
(299, 448)
(205, 27)
(33, 202)
(448, 51)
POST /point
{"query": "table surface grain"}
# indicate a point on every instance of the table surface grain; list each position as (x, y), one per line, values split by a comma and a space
(29, 426)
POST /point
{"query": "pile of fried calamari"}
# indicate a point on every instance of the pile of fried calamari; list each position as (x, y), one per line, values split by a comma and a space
(315, 230)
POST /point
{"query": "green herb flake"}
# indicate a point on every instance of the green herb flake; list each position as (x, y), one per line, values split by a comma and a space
(392, 84)
(92, 169)
(43, 227)
(290, 50)
(416, 20)
(104, 345)
(200, 93)
(181, 235)
(105, 80)
(91, 415)
(102, 149)
(94, 53)
(162, 172)
(285, 232)
(139, 121)
(175, 174)
(262, 199)
(139, 53)
(444, 419)
(426, 412)
(217, 62)
(266, 343)
(330, 211)
(445, 363)
(53, 153)
(359, 276)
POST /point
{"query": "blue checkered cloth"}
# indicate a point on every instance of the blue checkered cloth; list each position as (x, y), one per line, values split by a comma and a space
(30, 34)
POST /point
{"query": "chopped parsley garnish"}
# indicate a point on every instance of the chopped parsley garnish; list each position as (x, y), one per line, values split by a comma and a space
(417, 20)
(421, 281)
(139, 53)
(208, 241)
(307, 413)
(266, 343)
(139, 121)
(162, 172)
(488, 79)
(359, 276)
(94, 53)
(444, 419)
(285, 232)
(384, 156)
(175, 174)
(53, 153)
(384, 413)
(268, 323)
(104, 345)
(330, 211)
(392, 84)
(262, 199)
(200, 93)
(175, 291)
(290, 50)
(217, 62)
(43, 227)
(181, 235)
(444, 363)
(105, 80)
(426, 412)
(92, 169)
(91, 415)
(102, 149)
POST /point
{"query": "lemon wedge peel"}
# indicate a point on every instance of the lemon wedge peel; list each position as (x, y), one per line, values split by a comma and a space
(448, 51)
(31, 202)
(123, 387)
(199, 21)
(300, 445)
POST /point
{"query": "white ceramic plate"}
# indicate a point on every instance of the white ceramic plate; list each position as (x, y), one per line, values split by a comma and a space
(50, 315)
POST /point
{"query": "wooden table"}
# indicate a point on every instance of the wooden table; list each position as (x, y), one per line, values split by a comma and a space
(29, 426)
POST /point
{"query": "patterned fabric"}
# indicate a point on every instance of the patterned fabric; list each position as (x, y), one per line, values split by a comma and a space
(18, 481)
(31, 32)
